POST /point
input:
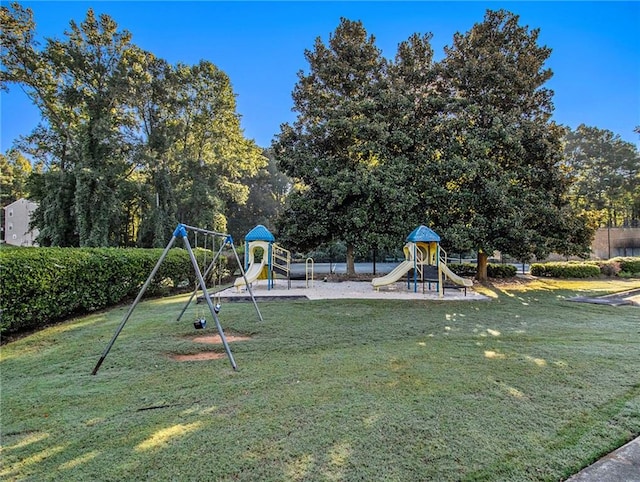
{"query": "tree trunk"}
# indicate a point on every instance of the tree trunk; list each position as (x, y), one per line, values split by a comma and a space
(351, 267)
(483, 259)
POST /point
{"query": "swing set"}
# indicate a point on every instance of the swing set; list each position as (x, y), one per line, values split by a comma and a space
(200, 323)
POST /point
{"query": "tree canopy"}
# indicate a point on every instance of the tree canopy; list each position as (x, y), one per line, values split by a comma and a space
(333, 147)
(464, 145)
(605, 172)
(128, 143)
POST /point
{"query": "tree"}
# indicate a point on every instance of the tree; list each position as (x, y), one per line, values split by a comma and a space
(502, 187)
(79, 86)
(14, 174)
(267, 194)
(154, 90)
(211, 155)
(332, 149)
(94, 72)
(128, 143)
(606, 175)
(413, 110)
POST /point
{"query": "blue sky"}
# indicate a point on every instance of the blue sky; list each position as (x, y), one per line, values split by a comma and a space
(260, 45)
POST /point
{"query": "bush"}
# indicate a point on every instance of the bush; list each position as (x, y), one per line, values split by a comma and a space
(39, 286)
(608, 268)
(501, 270)
(630, 266)
(469, 270)
(466, 270)
(566, 270)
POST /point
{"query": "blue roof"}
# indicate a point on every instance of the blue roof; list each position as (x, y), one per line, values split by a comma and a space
(423, 234)
(259, 233)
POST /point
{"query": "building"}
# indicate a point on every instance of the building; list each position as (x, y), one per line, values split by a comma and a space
(612, 242)
(17, 217)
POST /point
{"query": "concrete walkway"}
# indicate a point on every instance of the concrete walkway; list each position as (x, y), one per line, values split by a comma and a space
(622, 465)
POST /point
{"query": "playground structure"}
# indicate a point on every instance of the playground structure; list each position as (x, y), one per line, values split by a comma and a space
(263, 259)
(425, 262)
(181, 232)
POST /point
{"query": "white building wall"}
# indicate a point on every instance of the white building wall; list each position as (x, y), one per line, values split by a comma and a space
(17, 217)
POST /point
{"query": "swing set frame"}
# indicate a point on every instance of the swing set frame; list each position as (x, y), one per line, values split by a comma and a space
(181, 232)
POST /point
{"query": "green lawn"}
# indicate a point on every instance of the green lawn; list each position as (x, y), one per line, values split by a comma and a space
(527, 386)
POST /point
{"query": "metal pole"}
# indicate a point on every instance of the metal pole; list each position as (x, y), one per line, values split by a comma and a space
(206, 273)
(133, 305)
(207, 231)
(194, 261)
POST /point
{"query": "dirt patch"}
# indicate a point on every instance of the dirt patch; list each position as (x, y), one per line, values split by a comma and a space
(215, 339)
(208, 355)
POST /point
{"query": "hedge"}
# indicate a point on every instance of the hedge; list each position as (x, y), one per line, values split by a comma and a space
(629, 265)
(566, 270)
(493, 270)
(39, 286)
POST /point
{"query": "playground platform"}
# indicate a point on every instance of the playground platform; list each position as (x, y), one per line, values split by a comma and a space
(327, 290)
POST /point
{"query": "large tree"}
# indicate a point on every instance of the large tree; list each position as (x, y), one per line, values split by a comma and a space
(130, 145)
(606, 174)
(212, 156)
(502, 187)
(153, 97)
(267, 194)
(413, 107)
(333, 149)
(79, 85)
(52, 143)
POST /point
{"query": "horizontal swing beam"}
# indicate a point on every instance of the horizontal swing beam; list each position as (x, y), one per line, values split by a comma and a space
(205, 231)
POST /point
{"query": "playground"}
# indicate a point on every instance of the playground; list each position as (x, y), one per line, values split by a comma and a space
(333, 290)
(267, 274)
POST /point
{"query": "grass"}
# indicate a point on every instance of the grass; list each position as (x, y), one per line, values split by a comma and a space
(526, 386)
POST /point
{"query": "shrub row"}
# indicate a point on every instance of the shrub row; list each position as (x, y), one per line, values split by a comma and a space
(565, 270)
(622, 267)
(631, 266)
(39, 286)
(469, 270)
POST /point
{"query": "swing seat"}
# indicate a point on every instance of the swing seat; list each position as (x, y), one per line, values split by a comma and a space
(200, 324)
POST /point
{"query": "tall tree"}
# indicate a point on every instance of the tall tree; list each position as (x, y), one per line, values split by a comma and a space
(267, 195)
(211, 155)
(93, 67)
(14, 174)
(332, 149)
(606, 174)
(413, 107)
(129, 144)
(153, 96)
(52, 143)
(78, 83)
(502, 183)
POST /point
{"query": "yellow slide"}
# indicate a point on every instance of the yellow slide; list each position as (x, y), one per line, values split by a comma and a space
(454, 277)
(397, 273)
(252, 273)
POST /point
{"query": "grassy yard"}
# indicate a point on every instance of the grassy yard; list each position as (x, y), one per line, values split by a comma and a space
(527, 386)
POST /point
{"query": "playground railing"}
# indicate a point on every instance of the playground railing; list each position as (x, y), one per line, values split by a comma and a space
(419, 264)
(281, 259)
(443, 256)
